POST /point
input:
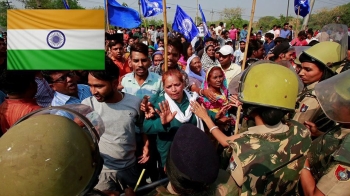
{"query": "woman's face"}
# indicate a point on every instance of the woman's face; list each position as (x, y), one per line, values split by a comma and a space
(189, 51)
(310, 73)
(211, 51)
(174, 88)
(215, 78)
(196, 65)
(150, 52)
(157, 59)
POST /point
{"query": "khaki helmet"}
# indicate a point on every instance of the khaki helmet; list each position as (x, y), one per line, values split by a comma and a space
(48, 155)
(269, 84)
(327, 53)
(333, 95)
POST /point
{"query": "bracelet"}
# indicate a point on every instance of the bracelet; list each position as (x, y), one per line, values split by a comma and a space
(308, 168)
(200, 92)
(215, 127)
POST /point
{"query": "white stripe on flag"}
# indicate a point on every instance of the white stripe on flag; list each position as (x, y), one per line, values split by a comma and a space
(75, 39)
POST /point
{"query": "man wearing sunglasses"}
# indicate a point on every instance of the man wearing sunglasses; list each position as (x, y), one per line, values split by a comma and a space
(67, 91)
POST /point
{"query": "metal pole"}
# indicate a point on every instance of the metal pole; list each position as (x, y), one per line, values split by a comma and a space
(307, 17)
(140, 12)
(165, 36)
(238, 114)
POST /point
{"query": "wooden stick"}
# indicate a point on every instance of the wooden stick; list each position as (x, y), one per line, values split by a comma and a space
(107, 20)
(297, 26)
(238, 115)
(165, 37)
(138, 182)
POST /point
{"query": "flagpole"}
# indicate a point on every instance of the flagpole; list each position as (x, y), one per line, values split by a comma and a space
(238, 115)
(287, 11)
(140, 12)
(297, 26)
(307, 17)
(165, 37)
(106, 10)
(197, 15)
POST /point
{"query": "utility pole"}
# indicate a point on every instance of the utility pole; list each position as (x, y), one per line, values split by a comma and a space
(212, 13)
(307, 17)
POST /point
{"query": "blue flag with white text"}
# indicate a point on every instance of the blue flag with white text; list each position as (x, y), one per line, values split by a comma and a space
(204, 21)
(122, 16)
(304, 7)
(184, 24)
(151, 7)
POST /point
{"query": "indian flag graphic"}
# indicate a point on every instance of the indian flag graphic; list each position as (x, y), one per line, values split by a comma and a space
(55, 39)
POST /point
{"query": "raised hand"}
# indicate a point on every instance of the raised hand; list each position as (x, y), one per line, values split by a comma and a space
(209, 94)
(234, 100)
(199, 110)
(147, 107)
(166, 116)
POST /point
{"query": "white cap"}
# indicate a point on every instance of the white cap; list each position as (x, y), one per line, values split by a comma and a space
(160, 48)
(226, 50)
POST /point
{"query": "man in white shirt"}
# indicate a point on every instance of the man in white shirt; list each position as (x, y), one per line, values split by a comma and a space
(225, 59)
(218, 29)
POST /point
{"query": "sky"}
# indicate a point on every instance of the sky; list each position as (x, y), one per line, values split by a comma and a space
(263, 7)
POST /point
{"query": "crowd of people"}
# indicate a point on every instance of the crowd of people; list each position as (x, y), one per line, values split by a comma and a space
(177, 119)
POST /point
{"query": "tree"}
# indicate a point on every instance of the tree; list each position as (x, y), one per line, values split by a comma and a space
(232, 14)
(3, 13)
(50, 4)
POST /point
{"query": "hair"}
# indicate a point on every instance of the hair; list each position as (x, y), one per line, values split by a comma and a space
(206, 49)
(291, 26)
(185, 46)
(313, 42)
(254, 45)
(269, 35)
(160, 40)
(172, 72)
(271, 116)
(301, 33)
(16, 82)
(47, 74)
(326, 73)
(278, 26)
(286, 23)
(139, 47)
(310, 32)
(245, 25)
(175, 43)
(274, 26)
(114, 43)
(258, 33)
(182, 184)
(131, 37)
(221, 23)
(2, 39)
(209, 39)
(110, 73)
(279, 40)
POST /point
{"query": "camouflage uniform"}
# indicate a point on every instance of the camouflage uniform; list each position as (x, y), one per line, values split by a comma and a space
(257, 162)
(224, 185)
(308, 109)
(337, 179)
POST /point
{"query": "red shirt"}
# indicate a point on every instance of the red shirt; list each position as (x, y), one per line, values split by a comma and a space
(123, 66)
(11, 110)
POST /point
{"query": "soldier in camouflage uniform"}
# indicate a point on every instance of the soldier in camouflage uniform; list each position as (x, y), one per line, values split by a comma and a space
(330, 157)
(192, 167)
(266, 159)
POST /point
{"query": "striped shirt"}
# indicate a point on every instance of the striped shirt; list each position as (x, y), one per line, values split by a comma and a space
(151, 86)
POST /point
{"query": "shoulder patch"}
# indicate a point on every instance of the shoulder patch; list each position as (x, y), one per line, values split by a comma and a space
(341, 173)
(233, 164)
(304, 108)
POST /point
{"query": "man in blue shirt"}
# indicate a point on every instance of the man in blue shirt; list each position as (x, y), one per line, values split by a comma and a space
(285, 32)
(269, 43)
(243, 34)
(67, 91)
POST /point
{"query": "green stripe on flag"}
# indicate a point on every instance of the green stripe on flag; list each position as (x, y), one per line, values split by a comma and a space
(55, 59)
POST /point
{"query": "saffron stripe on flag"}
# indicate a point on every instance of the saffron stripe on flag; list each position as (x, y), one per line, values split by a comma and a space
(55, 19)
(48, 59)
(36, 39)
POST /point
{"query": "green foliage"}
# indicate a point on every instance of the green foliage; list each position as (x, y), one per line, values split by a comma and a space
(3, 13)
(50, 4)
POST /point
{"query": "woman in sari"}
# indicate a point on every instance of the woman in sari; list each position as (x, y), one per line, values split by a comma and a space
(208, 59)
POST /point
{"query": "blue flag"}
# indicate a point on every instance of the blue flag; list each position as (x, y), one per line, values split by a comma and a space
(65, 4)
(121, 16)
(204, 21)
(151, 7)
(304, 7)
(184, 24)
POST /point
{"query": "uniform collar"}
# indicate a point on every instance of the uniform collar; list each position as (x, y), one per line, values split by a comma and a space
(265, 129)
